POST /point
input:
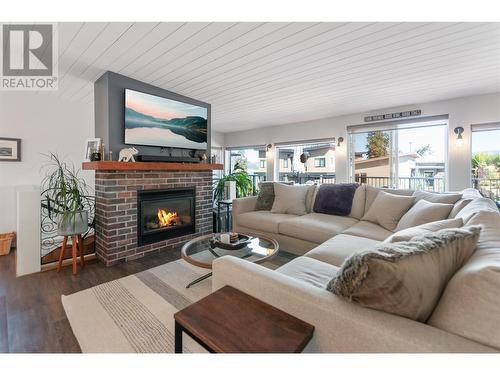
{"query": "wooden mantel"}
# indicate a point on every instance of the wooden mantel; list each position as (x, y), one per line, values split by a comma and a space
(148, 166)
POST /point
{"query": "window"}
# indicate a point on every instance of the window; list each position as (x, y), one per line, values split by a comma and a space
(253, 159)
(319, 162)
(218, 157)
(402, 155)
(303, 162)
(485, 161)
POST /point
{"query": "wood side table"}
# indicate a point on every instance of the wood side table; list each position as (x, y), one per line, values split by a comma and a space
(76, 245)
(230, 321)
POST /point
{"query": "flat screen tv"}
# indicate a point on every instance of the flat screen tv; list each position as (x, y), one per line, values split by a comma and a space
(152, 120)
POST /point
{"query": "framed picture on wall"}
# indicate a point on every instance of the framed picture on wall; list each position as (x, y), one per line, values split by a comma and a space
(10, 149)
(90, 145)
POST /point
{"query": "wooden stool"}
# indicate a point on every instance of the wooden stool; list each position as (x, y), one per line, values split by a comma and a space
(76, 243)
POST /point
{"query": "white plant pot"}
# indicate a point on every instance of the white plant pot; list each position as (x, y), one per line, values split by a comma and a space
(73, 223)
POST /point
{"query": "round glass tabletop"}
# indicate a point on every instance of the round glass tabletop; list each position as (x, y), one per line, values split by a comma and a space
(199, 251)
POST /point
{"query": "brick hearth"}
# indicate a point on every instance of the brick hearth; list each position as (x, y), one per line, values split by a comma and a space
(116, 210)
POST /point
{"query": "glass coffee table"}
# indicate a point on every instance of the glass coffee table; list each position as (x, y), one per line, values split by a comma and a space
(199, 252)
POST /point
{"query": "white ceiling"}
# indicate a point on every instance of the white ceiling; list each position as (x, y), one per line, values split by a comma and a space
(261, 74)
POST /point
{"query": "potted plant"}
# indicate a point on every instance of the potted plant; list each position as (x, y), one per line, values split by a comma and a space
(67, 195)
(239, 175)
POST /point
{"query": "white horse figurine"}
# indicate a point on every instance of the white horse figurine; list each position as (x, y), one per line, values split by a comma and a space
(127, 154)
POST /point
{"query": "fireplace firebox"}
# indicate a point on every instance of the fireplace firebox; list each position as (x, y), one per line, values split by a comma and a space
(164, 214)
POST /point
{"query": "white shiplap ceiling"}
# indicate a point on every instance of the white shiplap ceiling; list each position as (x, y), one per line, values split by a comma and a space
(261, 74)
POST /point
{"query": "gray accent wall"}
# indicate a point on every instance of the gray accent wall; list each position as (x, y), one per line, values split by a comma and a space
(109, 102)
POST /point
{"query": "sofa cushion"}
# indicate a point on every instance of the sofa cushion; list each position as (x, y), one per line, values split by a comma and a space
(337, 249)
(469, 306)
(408, 233)
(265, 198)
(335, 199)
(264, 221)
(368, 230)
(358, 203)
(315, 227)
(290, 199)
(405, 278)
(424, 212)
(477, 205)
(387, 209)
(372, 192)
(429, 196)
(309, 270)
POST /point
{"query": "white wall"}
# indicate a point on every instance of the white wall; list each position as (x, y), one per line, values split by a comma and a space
(217, 139)
(45, 123)
(462, 112)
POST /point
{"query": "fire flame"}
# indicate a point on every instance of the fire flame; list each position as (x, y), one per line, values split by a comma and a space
(166, 219)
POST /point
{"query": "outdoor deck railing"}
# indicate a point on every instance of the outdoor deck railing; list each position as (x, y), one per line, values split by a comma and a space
(302, 178)
(489, 187)
(435, 184)
(256, 179)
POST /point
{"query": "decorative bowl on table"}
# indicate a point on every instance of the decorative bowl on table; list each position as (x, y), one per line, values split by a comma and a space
(240, 242)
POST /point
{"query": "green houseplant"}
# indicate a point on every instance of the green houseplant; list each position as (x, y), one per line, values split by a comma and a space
(239, 175)
(67, 195)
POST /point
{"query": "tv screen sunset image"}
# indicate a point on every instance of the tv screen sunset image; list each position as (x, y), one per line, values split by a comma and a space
(152, 120)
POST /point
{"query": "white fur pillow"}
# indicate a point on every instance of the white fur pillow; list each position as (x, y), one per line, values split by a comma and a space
(290, 199)
(405, 278)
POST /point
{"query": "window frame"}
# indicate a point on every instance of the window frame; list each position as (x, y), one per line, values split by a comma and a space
(479, 128)
(392, 128)
(321, 160)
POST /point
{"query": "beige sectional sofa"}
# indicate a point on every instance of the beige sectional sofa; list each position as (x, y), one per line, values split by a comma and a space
(466, 319)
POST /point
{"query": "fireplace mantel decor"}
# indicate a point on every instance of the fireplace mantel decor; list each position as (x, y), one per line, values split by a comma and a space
(116, 216)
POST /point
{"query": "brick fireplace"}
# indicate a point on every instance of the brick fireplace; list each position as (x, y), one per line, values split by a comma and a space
(119, 187)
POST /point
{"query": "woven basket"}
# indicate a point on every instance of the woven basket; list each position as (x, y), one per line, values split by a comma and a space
(6, 242)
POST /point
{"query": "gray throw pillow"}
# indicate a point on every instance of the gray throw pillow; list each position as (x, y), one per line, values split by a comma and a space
(265, 198)
(405, 278)
(429, 196)
(290, 199)
(424, 212)
(387, 209)
(408, 233)
(459, 206)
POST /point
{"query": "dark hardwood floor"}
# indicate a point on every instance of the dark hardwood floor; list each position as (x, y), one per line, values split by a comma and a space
(32, 319)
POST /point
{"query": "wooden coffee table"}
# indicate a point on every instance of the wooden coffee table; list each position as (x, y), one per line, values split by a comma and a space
(230, 321)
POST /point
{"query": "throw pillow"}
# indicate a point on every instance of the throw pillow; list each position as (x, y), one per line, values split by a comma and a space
(265, 198)
(310, 197)
(449, 198)
(289, 199)
(424, 212)
(408, 234)
(358, 202)
(372, 192)
(387, 209)
(405, 278)
(335, 199)
(459, 206)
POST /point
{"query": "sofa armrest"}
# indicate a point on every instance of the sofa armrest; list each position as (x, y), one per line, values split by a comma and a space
(340, 326)
(242, 205)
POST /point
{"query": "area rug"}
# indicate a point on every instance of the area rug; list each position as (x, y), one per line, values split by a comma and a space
(134, 314)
